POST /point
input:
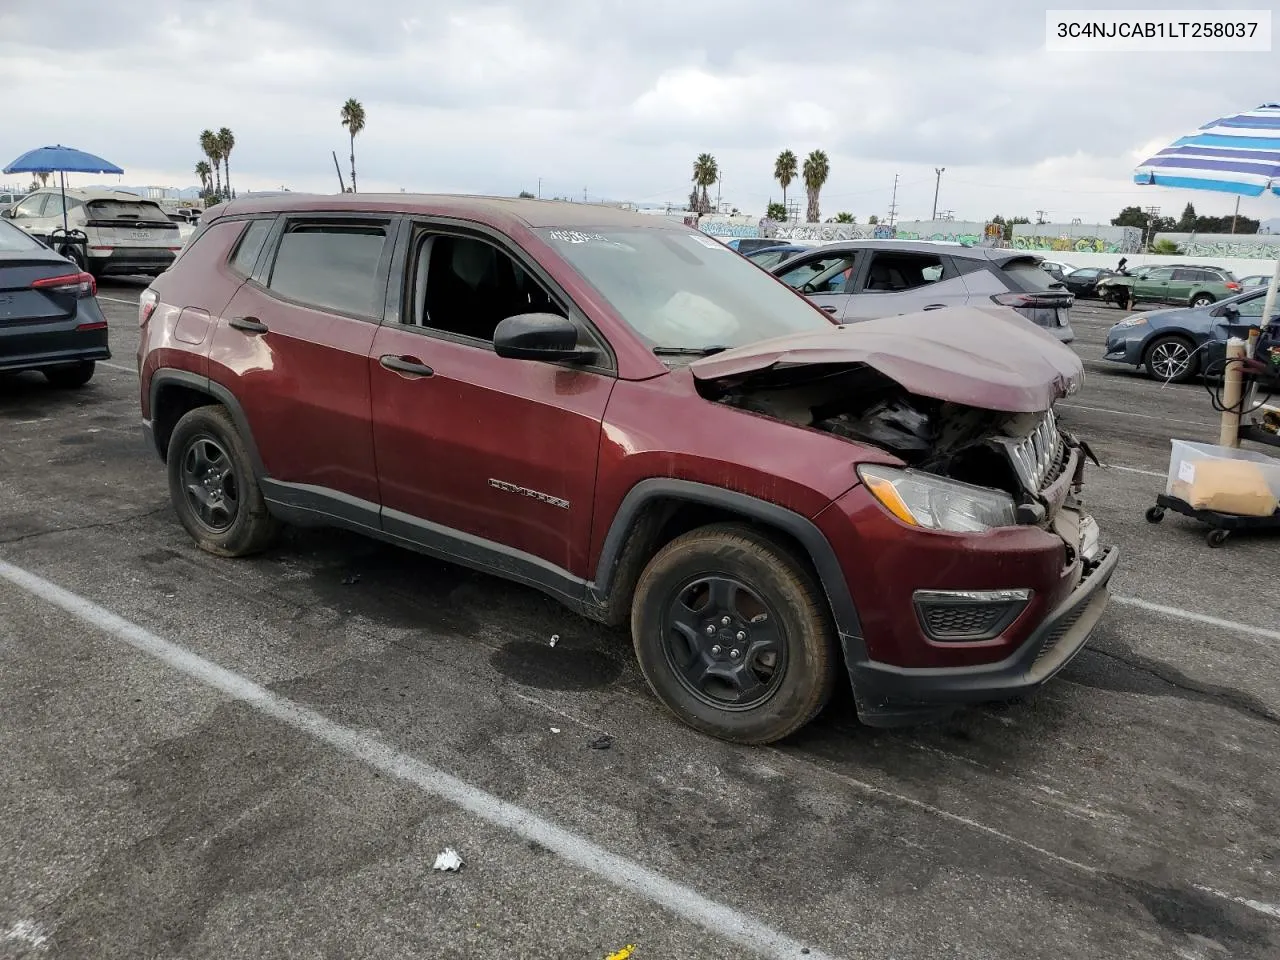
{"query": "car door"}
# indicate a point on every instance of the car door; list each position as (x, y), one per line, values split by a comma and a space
(825, 278)
(1182, 282)
(292, 346)
(893, 282)
(480, 455)
(1154, 285)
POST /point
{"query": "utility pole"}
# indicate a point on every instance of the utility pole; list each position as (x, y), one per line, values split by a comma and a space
(937, 184)
(584, 194)
(539, 188)
(1236, 214)
(1040, 216)
(893, 204)
(717, 191)
(1152, 213)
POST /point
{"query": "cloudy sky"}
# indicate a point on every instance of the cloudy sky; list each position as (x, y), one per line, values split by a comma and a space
(616, 97)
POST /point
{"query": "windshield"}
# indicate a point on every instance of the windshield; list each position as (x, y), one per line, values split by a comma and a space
(15, 240)
(684, 290)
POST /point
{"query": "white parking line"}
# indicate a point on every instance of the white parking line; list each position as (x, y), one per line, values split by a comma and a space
(1130, 413)
(1145, 473)
(116, 366)
(1261, 633)
(127, 303)
(683, 901)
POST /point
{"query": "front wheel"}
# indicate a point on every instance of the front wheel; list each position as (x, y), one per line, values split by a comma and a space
(212, 486)
(1171, 359)
(733, 634)
(1201, 300)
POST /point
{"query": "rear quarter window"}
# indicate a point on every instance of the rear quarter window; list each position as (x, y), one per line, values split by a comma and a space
(247, 248)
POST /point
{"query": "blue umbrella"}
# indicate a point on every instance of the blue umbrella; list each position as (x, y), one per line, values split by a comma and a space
(61, 160)
(1239, 154)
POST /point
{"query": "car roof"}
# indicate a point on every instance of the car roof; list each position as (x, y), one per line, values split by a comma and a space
(81, 194)
(994, 254)
(498, 211)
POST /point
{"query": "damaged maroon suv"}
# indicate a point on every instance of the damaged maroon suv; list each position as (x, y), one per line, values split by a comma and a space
(621, 412)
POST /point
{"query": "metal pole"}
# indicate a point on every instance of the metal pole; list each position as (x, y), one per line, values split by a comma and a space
(342, 187)
(893, 203)
(539, 188)
(1234, 215)
(936, 185)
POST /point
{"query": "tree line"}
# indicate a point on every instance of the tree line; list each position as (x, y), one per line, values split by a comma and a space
(1189, 222)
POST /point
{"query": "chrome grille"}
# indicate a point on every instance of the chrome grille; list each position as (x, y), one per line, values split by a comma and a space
(1038, 458)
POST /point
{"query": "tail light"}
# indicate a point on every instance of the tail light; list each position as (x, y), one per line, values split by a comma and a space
(81, 284)
(1033, 300)
(147, 306)
(1232, 285)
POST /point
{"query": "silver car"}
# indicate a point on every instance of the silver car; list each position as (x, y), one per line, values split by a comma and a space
(867, 279)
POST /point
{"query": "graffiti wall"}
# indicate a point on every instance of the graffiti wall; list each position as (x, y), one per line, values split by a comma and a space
(1253, 246)
(1076, 237)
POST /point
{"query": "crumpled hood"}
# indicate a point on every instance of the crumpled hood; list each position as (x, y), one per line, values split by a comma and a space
(988, 358)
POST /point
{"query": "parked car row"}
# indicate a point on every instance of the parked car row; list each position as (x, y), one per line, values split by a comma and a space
(107, 232)
(1186, 284)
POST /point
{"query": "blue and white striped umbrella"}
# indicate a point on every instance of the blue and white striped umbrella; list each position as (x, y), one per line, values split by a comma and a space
(1239, 154)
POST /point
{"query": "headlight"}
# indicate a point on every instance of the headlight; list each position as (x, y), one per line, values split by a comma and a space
(923, 500)
(1135, 321)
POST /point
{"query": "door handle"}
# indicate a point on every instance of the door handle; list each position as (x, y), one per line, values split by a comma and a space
(248, 324)
(829, 309)
(410, 365)
(935, 306)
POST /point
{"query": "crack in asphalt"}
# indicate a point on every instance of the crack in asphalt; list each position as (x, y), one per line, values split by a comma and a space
(86, 526)
(1224, 696)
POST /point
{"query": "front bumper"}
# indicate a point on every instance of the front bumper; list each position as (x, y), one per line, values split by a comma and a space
(1125, 349)
(887, 695)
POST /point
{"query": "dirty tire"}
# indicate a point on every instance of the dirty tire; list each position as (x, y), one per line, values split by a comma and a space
(252, 529)
(71, 376)
(807, 664)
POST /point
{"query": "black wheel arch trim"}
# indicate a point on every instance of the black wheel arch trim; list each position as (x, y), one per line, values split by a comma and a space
(185, 378)
(805, 532)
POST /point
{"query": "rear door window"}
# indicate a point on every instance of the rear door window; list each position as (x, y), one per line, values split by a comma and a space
(332, 266)
(896, 272)
(1189, 275)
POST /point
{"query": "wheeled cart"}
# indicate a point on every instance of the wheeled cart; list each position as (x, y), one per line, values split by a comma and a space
(1221, 525)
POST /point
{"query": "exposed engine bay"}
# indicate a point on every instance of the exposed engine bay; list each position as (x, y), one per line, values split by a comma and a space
(1019, 453)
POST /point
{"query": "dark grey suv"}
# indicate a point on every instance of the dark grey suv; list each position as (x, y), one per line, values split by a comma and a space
(868, 279)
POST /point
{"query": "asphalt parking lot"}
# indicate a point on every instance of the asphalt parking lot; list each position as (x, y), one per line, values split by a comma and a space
(263, 758)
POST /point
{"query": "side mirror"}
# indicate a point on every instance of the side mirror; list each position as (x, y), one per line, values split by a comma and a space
(539, 336)
(7, 213)
(1230, 311)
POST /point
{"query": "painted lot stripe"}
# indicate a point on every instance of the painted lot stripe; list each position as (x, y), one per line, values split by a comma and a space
(1130, 413)
(116, 366)
(683, 901)
(1146, 473)
(128, 303)
(1260, 633)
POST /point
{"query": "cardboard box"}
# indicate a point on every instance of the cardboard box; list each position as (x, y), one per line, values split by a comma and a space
(1227, 486)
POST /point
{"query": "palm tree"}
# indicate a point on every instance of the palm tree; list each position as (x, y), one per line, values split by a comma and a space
(205, 173)
(226, 143)
(705, 173)
(784, 171)
(816, 170)
(209, 144)
(353, 120)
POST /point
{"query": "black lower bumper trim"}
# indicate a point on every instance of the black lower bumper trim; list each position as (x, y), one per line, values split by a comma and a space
(892, 696)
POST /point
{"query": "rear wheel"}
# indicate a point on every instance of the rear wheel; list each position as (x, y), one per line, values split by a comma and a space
(1172, 359)
(70, 376)
(733, 634)
(212, 486)
(1202, 300)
